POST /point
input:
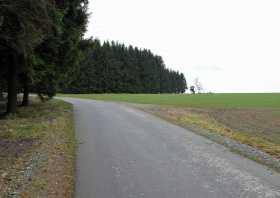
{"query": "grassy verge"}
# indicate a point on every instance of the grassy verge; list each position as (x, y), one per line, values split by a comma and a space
(37, 147)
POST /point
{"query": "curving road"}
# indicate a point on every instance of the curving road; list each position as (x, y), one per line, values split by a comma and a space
(126, 153)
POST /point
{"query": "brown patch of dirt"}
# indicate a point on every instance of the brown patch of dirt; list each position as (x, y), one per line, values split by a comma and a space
(14, 148)
(260, 122)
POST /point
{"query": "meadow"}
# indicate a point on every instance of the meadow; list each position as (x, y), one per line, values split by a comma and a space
(236, 100)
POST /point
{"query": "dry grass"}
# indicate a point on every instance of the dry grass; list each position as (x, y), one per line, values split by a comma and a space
(51, 153)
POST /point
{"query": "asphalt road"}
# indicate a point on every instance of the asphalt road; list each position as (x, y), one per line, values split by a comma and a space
(126, 153)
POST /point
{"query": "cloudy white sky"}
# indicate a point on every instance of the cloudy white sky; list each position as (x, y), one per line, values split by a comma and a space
(230, 45)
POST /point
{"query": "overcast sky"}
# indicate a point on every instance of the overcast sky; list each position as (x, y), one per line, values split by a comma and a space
(230, 45)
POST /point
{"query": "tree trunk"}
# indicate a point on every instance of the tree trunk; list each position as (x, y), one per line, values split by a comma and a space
(25, 100)
(12, 86)
(1, 95)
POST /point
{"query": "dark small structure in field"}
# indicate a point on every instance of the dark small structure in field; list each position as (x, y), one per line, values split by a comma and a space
(192, 89)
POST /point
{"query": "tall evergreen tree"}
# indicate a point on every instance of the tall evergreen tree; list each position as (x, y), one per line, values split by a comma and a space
(112, 67)
(23, 25)
(60, 51)
(39, 40)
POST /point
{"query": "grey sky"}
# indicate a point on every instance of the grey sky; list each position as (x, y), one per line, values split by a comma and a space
(230, 45)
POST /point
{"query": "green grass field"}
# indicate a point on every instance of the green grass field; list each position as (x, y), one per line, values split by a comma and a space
(260, 100)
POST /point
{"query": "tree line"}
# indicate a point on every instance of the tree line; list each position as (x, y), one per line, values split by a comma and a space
(43, 51)
(111, 67)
